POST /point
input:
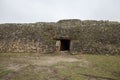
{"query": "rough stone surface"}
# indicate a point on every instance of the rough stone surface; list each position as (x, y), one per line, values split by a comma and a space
(89, 36)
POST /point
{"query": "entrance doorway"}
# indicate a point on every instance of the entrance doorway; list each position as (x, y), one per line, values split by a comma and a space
(65, 45)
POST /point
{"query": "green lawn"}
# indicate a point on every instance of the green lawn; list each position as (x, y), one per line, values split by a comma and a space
(33, 66)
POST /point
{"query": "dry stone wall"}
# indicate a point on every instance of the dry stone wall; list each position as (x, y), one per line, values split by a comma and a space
(89, 36)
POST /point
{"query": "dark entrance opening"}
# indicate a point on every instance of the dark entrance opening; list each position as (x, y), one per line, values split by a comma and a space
(65, 45)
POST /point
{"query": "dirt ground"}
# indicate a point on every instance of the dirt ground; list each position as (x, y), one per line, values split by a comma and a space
(52, 67)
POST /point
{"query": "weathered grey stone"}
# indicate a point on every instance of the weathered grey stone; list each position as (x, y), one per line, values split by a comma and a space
(87, 36)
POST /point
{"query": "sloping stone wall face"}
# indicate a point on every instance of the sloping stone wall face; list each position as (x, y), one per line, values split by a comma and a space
(97, 37)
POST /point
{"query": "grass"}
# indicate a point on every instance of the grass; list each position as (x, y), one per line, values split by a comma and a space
(33, 66)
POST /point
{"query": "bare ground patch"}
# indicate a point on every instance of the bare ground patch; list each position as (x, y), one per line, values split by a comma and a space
(47, 61)
(59, 67)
